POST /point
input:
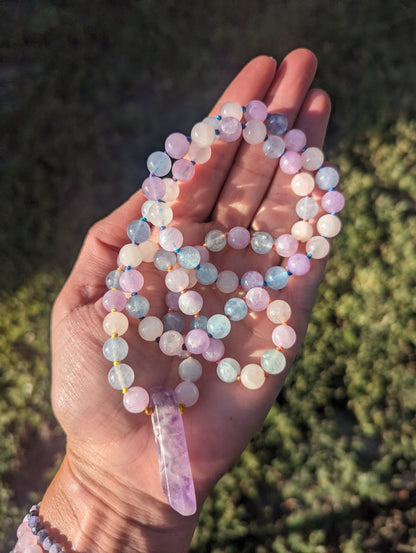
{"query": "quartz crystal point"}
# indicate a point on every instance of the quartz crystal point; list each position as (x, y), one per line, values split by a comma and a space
(174, 465)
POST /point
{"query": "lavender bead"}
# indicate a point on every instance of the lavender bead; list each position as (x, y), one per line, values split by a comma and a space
(131, 281)
(32, 521)
(42, 535)
(172, 300)
(177, 145)
(257, 299)
(174, 466)
(286, 245)
(256, 110)
(153, 188)
(114, 299)
(276, 123)
(183, 170)
(298, 264)
(290, 163)
(215, 350)
(250, 279)
(333, 201)
(295, 140)
(238, 238)
(173, 321)
(136, 399)
(197, 341)
(230, 129)
(55, 548)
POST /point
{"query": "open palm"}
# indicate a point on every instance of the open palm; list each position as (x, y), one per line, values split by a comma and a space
(114, 450)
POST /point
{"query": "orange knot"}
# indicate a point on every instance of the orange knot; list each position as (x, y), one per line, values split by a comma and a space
(182, 408)
(149, 410)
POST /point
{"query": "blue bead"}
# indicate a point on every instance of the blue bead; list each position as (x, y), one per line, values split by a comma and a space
(218, 326)
(236, 309)
(276, 277)
(206, 273)
(173, 321)
(273, 361)
(188, 257)
(327, 178)
(262, 242)
(137, 306)
(112, 280)
(199, 322)
(115, 349)
(159, 164)
(138, 231)
(277, 123)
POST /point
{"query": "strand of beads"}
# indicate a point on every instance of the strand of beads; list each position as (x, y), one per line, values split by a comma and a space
(32, 537)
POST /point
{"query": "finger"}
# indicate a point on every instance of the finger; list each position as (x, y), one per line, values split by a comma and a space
(276, 214)
(252, 171)
(198, 196)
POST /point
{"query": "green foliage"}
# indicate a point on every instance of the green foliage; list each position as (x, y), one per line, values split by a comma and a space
(88, 90)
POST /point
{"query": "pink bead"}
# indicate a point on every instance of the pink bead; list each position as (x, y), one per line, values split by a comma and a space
(177, 145)
(230, 129)
(190, 302)
(197, 341)
(286, 245)
(333, 201)
(114, 299)
(177, 280)
(154, 188)
(171, 239)
(257, 299)
(255, 110)
(238, 238)
(251, 279)
(298, 264)
(290, 162)
(183, 170)
(136, 399)
(172, 300)
(284, 336)
(204, 253)
(215, 351)
(295, 140)
(131, 281)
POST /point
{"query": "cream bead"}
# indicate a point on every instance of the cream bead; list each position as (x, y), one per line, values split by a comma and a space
(130, 255)
(148, 250)
(150, 328)
(279, 311)
(329, 225)
(231, 109)
(302, 231)
(203, 134)
(302, 184)
(252, 376)
(115, 323)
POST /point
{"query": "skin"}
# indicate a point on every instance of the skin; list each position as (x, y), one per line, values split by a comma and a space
(107, 494)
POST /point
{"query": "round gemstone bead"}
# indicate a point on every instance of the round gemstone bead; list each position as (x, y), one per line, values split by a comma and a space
(164, 260)
(190, 369)
(286, 245)
(302, 184)
(262, 242)
(153, 188)
(203, 252)
(137, 306)
(299, 264)
(176, 145)
(295, 140)
(215, 350)
(230, 129)
(238, 238)
(138, 231)
(328, 225)
(173, 321)
(218, 326)
(307, 208)
(145, 207)
(160, 214)
(171, 342)
(187, 393)
(257, 299)
(215, 240)
(254, 132)
(255, 110)
(112, 280)
(114, 299)
(312, 158)
(251, 279)
(198, 154)
(277, 123)
(197, 341)
(200, 321)
(150, 328)
(279, 311)
(231, 109)
(136, 399)
(131, 281)
(302, 231)
(130, 255)
(159, 164)
(227, 282)
(190, 302)
(177, 280)
(327, 177)
(183, 170)
(213, 121)
(171, 239)
(276, 277)
(203, 134)
(290, 162)
(148, 250)
(228, 369)
(274, 147)
(206, 273)
(284, 336)
(273, 361)
(115, 323)
(172, 190)
(236, 309)
(115, 349)
(333, 201)
(121, 376)
(318, 247)
(172, 300)
(252, 376)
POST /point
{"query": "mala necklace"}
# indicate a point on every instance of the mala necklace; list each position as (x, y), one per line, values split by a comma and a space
(187, 267)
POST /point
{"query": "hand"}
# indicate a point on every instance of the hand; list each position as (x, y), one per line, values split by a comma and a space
(110, 471)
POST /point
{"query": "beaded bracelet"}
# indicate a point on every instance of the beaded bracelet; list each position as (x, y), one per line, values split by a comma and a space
(32, 537)
(187, 266)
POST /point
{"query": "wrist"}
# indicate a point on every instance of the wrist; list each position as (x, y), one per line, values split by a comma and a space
(87, 511)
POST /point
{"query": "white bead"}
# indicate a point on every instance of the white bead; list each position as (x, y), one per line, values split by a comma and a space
(318, 247)
(231, 109)
(302, 231)
(187, 393)
(190, 303)
(148, 250)
(190, 369)
(146, 206)
(302, 184)
(160, 214)
(254, 132)
(227, 282)
(199, 154)
(150, 328)
(172, 190)
(203, 134)
(171, 342)
(252, 376)
(312, 158)
(329, 225)
(279, 311)
(307, 208)
(177, 280)
(130, 255)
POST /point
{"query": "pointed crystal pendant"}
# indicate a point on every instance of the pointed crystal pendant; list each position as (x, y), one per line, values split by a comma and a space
(174, 465)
